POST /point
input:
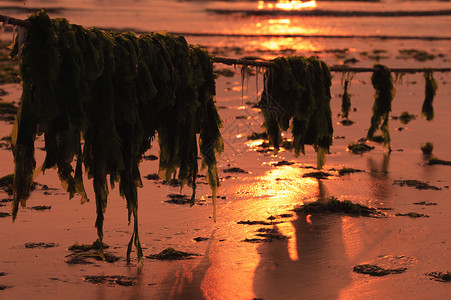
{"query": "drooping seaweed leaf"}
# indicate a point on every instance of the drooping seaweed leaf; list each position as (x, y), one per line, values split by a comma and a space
(345, 101)
(100, 98)
(384, 93)
(427, 109)
(297, 89)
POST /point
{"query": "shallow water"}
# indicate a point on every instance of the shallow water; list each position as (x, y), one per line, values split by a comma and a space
(316, 260)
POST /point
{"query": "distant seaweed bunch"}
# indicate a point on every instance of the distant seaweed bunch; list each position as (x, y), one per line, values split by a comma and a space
(297, 94)
(346, 98)
(384, 93)
(427, 110)
(100, 98)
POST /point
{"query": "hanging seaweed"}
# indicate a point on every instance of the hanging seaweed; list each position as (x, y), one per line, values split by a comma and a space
(114, 92)
(384, 93)
(427, 109)
(346, 98)
(297, 89)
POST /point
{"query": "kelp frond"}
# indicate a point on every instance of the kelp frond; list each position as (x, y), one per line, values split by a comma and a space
(100, 98)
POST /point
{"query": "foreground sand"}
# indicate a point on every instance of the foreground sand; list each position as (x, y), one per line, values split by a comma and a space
(314, 262)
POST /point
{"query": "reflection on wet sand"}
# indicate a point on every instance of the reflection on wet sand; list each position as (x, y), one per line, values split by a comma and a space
(319, 257)
(379, 182)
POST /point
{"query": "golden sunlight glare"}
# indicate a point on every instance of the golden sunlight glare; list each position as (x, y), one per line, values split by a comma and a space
(294, 5)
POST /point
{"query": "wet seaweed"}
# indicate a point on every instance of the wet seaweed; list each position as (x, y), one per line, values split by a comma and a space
(235, 170)
(41, 207)
(296, 95)
(427, 110)
(78, 260)
(427, 148)
(425, 203)
(248, 222)
(96, 245)
(336, 206)
(375, 270)
(171, 254)
(4, 215)
(345, 170)
(40, 245)
(412, 215)
(384, 93)
(437, 161)
(200, 239)
(440, 276)
(359, 148)
(418, 55)
(179, 199)
(111, 280)
(404, 117)
(100, 98)
(8, 111)
(416, 184)
(317, 175)
(283, 163)
(152, 177)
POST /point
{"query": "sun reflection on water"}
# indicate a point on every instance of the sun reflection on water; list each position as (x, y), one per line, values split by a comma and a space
(287, 5)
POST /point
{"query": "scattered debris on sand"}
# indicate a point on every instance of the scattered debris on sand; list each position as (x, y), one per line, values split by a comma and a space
(171, 254)
(4, 215)
(440, 276)
(345, 170)
(40, 207)
(258, 222)
(283, 163)
(337, 206)
(235, 170)
(317, 175)
(152, 177)
(427, 148)
(375, 270)
(416, 184)
(78, 248)
(359, 148)
(425, 203)
(413, 215)
(436, 161)
(200, 239)
(40, 245)
(111, 280)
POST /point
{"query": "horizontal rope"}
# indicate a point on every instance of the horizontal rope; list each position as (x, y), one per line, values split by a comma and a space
(343, 69)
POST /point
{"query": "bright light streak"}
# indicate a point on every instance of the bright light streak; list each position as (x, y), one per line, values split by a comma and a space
(294, 5)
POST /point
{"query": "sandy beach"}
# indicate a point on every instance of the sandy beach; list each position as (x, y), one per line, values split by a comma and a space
(307, 256)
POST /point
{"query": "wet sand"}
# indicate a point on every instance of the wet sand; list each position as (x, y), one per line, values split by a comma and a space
(316, 259)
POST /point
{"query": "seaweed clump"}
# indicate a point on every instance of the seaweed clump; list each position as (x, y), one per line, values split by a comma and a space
(100, 98)
(416, 184)
(440, 276)
(171, 254)
(384, 93)
(374, 270)
(359, 148)
(437, 161)
(335, 205)
(427, 148)
(297, 95)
